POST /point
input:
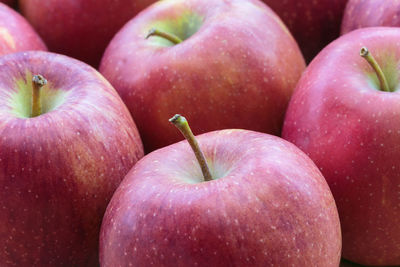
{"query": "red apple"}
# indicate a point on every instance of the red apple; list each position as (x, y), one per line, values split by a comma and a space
(370, 13)
(237, 64)
(313, 23)
(80, 28)
(342, 119)
(62, 155)
(16, 34)
(266, 204)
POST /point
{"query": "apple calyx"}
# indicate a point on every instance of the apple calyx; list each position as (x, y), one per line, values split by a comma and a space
(170, 37)
(38, 81)
(364, 52)
(181, 123)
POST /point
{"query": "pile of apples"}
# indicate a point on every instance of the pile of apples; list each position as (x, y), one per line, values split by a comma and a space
(295, 107)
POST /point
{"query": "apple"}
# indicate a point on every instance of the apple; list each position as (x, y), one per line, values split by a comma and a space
(235, 60)
(370, 13)
(80, 28)
(266, 204)
(344, 119)
(16, 34)
(314, 24)
(64, 148)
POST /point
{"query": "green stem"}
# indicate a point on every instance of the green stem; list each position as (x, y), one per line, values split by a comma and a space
(170, 37)
(38, 81)
(371, 60)
(181, 123)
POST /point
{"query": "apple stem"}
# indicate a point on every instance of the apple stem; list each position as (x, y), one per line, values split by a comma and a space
(170, 37)
(364, 52)
(181, 123)
(38, 81)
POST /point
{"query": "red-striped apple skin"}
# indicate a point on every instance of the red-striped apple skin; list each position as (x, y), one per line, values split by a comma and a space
(16, 34)
(239, 66)
(80, 28)
(340, 117)
(268, 205)
(58, 170)
(368, 13)
(314, 24)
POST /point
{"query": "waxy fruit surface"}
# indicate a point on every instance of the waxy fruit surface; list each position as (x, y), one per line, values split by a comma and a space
(237, 64)
(267, 205)
(340, 117)
(58, 170)
(16, 34)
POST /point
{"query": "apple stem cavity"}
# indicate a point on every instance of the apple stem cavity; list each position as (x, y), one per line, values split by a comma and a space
(181, 123)
(364, 52)
(38, 81)
(170, 37)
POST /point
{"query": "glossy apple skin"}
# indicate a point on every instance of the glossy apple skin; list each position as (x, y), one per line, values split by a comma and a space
(16, 34)
(80, 28)
(59, 170)
(370, 13)
(270, 207)
(350, 129)
(313, 23)
(239, 68)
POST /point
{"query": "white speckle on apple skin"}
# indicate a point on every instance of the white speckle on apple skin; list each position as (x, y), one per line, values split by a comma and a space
(184, 187)
(364, 150)
(33, 147)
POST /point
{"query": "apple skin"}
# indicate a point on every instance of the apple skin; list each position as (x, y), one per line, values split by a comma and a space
(350, 129)
(313, 23)
(369, 13)
(80, 28)
(59, 170)
(240, 68)
(16, 34)
(270, 206)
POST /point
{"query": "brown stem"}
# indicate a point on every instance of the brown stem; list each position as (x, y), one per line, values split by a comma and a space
(38, 81)
(371, 60)
(181, 123)
(170, 37)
